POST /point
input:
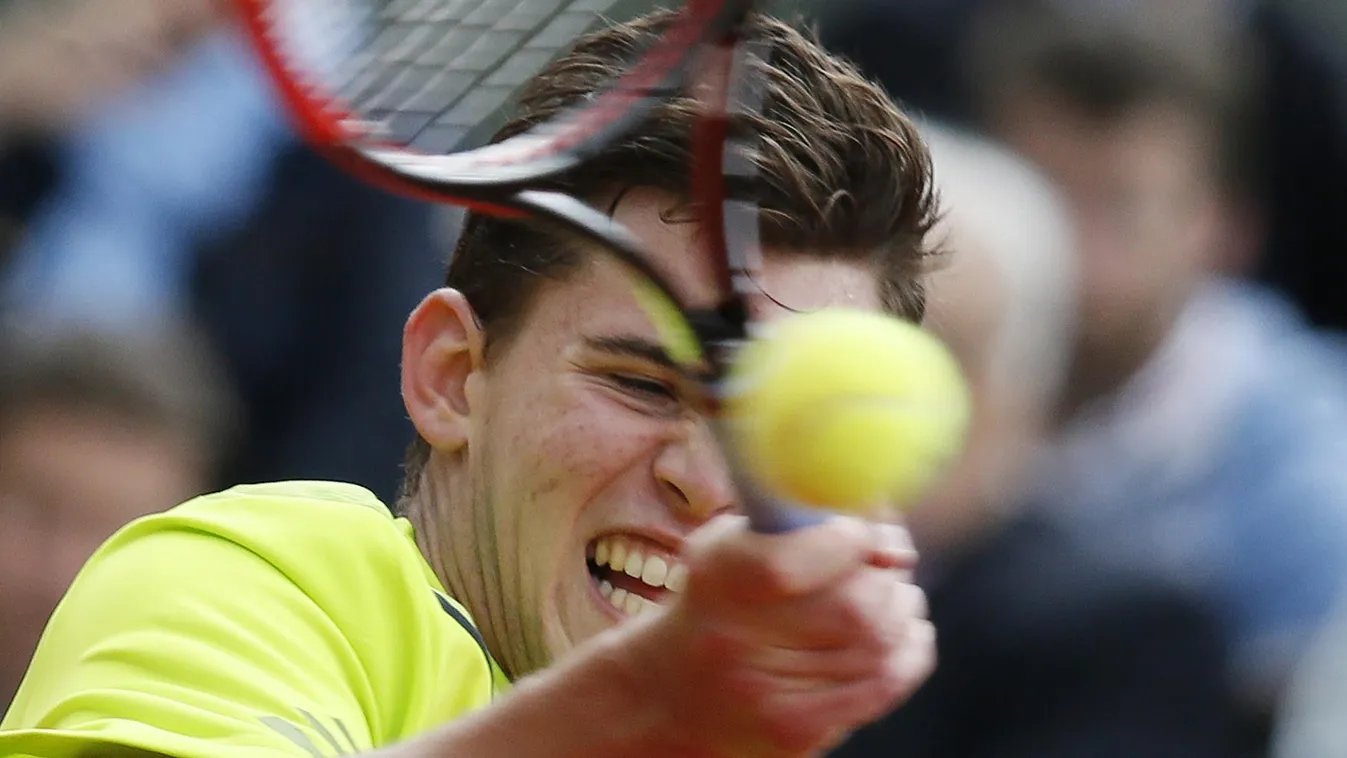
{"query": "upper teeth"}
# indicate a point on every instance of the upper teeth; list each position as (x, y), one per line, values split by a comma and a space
(631, 558)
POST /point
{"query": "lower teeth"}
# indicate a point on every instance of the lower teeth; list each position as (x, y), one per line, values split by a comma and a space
(628, 602)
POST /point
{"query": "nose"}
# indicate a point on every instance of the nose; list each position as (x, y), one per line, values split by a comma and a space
(693, 476)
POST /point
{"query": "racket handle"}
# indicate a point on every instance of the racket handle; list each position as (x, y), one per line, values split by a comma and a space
(768, 516)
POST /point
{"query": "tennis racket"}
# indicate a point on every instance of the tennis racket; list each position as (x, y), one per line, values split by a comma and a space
(392, 91)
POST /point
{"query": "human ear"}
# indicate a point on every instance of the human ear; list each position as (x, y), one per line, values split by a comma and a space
(442, 348)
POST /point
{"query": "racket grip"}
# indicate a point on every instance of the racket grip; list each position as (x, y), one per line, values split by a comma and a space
(768, 517)
(766, 514)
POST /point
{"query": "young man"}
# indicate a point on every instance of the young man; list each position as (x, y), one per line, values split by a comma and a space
(1203, 425)
(95, 431)
(563, 484)
(1045, 650)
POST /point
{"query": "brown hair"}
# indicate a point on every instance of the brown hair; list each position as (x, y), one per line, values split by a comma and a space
(842, 172)
(165, 381)
(1107, 61)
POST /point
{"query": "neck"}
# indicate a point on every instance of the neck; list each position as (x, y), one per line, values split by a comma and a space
(458, 543)
(1101, 368)
(421, 512)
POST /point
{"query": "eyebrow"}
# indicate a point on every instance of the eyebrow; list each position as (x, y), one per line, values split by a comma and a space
(633, 347)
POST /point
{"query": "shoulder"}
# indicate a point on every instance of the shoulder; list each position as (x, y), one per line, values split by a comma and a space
(278, 504)
(265, 603)
(305, 529)
(334, 545)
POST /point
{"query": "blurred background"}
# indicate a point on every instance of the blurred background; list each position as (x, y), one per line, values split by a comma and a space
(1143, 549)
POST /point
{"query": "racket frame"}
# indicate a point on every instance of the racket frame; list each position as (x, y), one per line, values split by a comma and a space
(702, 53)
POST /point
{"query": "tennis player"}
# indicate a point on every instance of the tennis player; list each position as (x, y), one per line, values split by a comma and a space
(565, 574)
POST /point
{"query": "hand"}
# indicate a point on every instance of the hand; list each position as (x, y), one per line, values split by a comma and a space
(783, 644)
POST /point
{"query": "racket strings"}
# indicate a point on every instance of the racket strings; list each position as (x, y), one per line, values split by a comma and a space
(425, 74)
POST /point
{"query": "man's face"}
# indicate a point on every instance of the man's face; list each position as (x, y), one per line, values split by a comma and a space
(968, 309)
(69, 479)
(589, 465)
(1141, 194)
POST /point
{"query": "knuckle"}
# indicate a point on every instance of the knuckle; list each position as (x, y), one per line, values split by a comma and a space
(896, 681)
(908, 608)
(914, 602)
(866, 610)
(776, 575)
(854, 615)
(927, 647)
(890, 692)
(910, 663)
(779, 574)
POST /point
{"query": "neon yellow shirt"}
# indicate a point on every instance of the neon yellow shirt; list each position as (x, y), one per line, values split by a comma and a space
(293, 619)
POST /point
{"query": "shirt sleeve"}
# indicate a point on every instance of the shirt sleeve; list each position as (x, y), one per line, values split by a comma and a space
(182, 642)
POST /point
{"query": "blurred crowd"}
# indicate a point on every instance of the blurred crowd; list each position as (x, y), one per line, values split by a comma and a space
(1143, 549)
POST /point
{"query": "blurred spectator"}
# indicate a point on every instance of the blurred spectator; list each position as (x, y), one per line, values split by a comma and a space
(306, 304)
(146, 177)
(27, 176)
(1005, 302)
(1311, 723)
(58, 62)
(1045, 652)
(94, 432)
(61, 59)
(1204, 430)
(920, 49)
(188, 199)
(915, 48)
(1304, 48)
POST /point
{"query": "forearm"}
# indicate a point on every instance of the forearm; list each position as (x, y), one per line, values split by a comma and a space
(590, 706)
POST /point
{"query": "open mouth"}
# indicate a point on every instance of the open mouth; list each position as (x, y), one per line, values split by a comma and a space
(632, 573)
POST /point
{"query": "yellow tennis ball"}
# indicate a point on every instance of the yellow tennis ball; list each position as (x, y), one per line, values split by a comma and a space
(846, 409)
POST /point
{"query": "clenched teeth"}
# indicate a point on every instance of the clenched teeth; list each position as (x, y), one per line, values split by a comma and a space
(637, 560)
(627, 602)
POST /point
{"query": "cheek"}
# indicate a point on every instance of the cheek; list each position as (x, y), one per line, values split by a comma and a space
(587, 446)
(570, 457)
(1114, 269)
(574, 468)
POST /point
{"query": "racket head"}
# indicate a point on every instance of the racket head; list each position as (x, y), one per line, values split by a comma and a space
(400, 91)
(348, 72)
(723, 178)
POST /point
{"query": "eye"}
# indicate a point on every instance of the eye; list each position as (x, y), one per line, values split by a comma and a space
(645, 387)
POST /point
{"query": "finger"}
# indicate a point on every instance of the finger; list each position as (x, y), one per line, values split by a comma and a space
(909, 604)
(764, 669)
(851, 705)
(750, 567)
(793, 670)
(869, 612)
(914, 662)
(896, 550)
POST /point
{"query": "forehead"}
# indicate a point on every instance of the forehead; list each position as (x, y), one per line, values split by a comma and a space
(1071, 146)
(797, 280)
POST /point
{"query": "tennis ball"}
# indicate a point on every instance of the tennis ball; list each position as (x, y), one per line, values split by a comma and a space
(845, 409)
